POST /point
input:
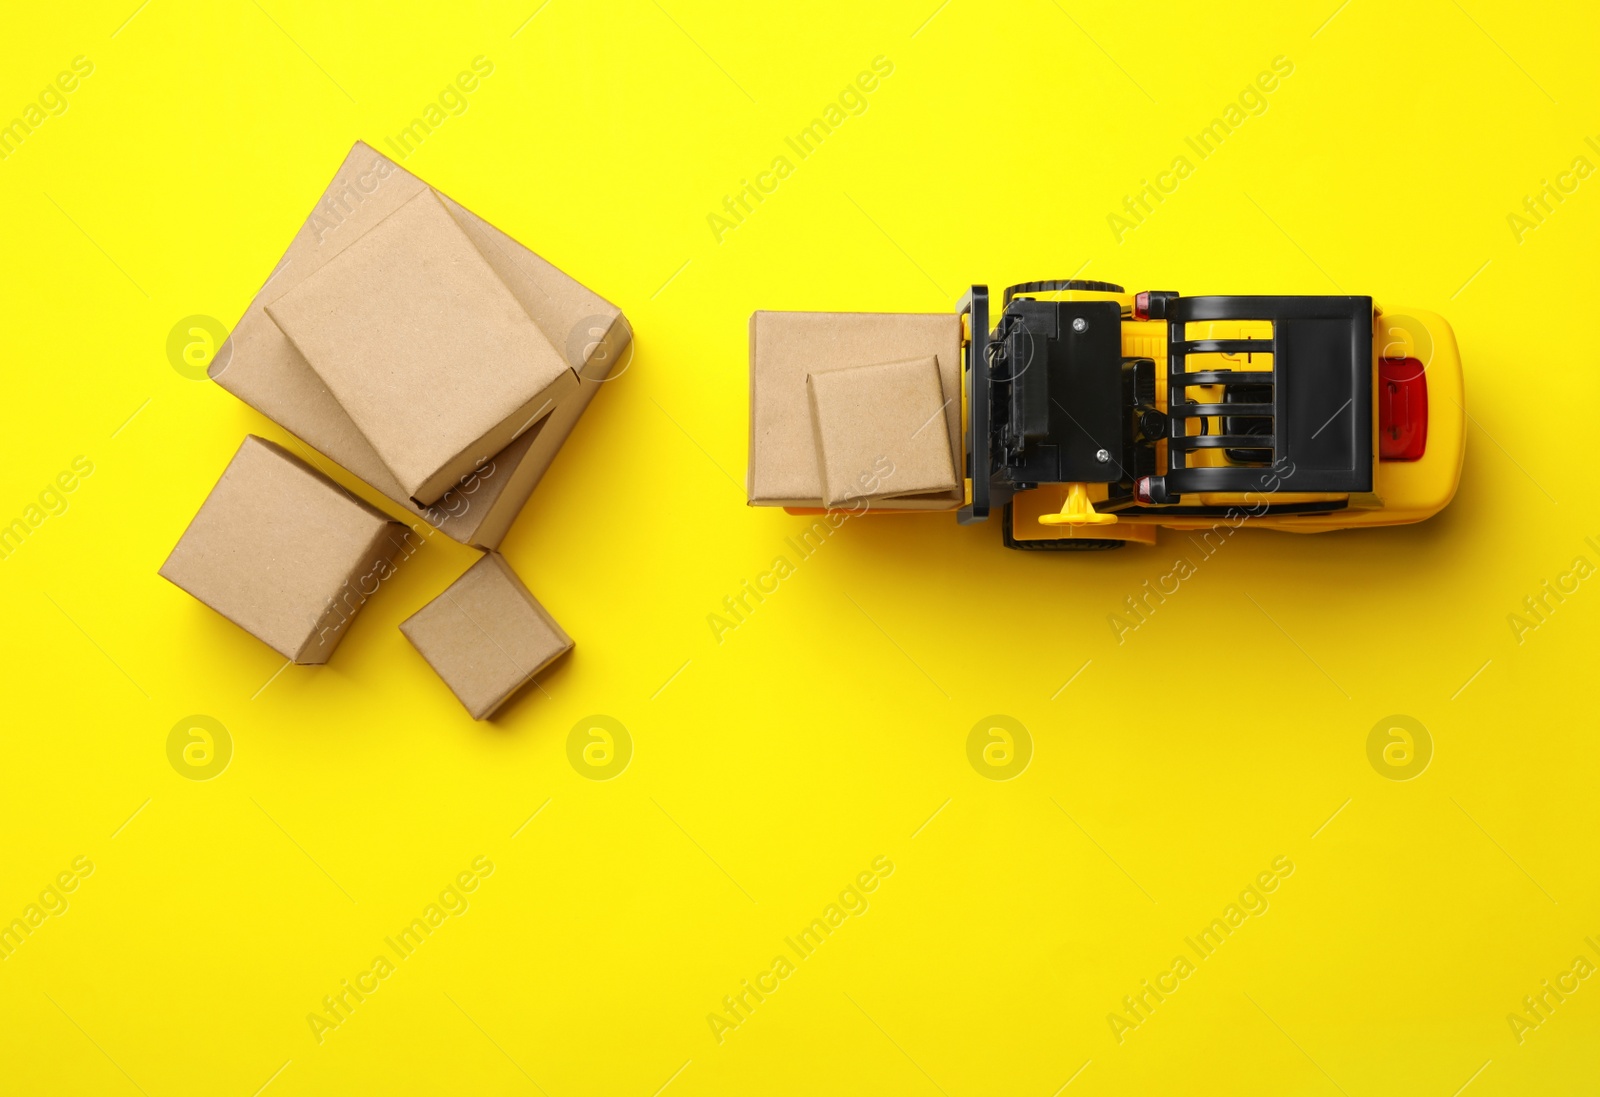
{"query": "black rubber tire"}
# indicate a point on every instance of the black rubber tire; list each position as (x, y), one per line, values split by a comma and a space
(1075, 544)
(1058, 285)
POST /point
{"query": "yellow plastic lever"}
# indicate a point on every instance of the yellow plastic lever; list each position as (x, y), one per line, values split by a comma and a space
(1077, 510)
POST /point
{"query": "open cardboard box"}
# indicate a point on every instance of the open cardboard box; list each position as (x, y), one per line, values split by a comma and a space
(262, 366)
(787, 347)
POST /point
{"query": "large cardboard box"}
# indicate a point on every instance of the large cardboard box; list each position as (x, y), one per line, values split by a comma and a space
(285, 553)
(486, 636)
(261, 366)
(786, 347)
(424, 347)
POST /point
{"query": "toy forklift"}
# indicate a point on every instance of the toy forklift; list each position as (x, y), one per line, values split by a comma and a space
(1092, 416)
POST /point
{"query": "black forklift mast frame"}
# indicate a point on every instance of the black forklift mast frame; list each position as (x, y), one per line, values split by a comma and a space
(974, 307)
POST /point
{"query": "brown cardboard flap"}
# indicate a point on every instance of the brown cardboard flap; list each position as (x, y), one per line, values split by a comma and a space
(880, 431)
(284, 552)
(787, 346)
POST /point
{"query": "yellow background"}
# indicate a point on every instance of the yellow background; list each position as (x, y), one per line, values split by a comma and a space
(830, 728)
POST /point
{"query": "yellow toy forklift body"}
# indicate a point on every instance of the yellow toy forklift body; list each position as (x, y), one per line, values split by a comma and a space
(1416, 391)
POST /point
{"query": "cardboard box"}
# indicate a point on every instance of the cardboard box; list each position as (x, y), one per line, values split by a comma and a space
(880, 431)
(260, 365)
(787, 346)
(424, 347)
(486, 636)
(285, 553)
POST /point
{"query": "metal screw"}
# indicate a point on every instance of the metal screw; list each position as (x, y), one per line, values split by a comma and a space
(1102, 455)
(1080, 324)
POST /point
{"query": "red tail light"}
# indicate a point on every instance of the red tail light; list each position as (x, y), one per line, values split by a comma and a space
(1402, 409)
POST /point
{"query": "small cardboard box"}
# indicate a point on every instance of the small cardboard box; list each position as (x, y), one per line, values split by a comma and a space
(785, 347)
(486, 636)
(424, 347)
(260, 365)
(285, 553)
(880, 431)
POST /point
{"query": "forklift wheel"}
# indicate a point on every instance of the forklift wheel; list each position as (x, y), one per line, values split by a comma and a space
(1061, 285)
(1064, 544)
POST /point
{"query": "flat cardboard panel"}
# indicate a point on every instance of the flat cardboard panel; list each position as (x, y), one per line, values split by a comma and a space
(880, 431)
(786, 346)
(486, 636)
(259, 364)
(284, 552)
(425, 348)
